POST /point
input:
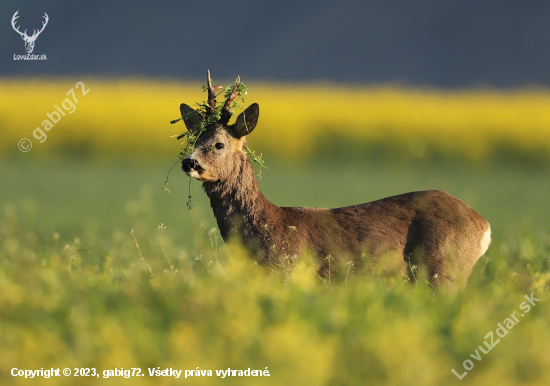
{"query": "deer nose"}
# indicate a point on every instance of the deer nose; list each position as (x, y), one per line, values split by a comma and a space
(188, 164)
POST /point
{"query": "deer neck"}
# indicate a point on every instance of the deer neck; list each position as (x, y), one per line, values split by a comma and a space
(239, 206)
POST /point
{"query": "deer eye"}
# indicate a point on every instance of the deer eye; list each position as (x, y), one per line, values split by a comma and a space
(219, 146)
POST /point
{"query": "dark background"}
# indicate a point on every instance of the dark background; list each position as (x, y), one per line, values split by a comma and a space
(438, 43)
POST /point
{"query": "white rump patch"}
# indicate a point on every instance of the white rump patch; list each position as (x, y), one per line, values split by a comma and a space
(485, 241)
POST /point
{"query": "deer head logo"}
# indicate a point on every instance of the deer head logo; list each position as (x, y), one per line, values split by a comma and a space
(29, 40)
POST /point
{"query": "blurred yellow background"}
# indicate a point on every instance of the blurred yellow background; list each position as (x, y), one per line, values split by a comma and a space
(129, 118)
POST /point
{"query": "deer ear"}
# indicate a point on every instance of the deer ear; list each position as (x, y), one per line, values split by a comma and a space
(247, 120)
(190, 116)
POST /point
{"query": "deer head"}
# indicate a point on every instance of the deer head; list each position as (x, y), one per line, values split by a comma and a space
(218, 153)
(29, 40)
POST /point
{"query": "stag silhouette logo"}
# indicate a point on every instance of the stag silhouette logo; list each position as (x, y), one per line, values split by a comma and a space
(29, 40)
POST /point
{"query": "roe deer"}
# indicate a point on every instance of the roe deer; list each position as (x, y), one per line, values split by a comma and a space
(435, 230)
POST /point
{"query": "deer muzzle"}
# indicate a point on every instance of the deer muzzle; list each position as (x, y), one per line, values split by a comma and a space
(191, 167)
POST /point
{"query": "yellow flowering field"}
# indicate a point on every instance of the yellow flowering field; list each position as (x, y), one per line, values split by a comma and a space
(129, 118)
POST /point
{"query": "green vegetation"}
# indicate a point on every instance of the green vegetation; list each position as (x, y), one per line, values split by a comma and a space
(72, 196)
(79, 289)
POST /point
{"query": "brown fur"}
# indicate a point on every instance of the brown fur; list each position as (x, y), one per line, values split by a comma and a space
(429, 229)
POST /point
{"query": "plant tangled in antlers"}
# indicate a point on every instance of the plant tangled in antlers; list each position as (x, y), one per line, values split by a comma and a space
(209, 112)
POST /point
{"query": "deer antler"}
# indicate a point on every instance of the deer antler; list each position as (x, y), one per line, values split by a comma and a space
(211, 94)
(35, 34)
(226, 112)
(15, 16)
(24, 34)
